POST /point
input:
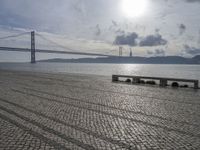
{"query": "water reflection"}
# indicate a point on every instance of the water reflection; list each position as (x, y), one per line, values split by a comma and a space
(178, 71)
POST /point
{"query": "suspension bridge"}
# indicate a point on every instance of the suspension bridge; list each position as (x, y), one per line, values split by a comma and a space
(33, 49)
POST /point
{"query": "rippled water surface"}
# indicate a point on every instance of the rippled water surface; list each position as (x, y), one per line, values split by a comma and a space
(178, 71)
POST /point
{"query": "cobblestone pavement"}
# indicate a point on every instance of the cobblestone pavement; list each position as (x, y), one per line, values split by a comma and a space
(67, 111)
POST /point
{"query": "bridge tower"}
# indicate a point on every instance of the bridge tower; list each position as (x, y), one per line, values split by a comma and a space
(120, 51)
(33, 47)
(130, 53)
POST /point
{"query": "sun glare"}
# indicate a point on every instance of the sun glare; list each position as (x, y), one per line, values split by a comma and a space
(134, 8)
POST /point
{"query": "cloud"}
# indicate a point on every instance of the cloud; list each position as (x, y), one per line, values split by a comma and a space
(140, 27)
(114, 23)
(120, 31)
(71, 17)
(113, 27)
(98, 30)
(157, 30)
(156, 52)
(191, 1)
(79, 6)
(198, 37)
(191, 50)
(182, 29)
(153, 40)
(129, 39)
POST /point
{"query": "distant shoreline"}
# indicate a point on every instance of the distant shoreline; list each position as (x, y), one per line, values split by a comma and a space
(131, 60)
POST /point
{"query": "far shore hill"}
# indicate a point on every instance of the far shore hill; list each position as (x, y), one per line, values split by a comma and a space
(131, 60)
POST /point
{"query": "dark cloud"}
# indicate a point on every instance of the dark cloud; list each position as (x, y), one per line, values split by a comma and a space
(129, 39)
(191, 50)
(153, 40)
(157, 52)
(182, 29)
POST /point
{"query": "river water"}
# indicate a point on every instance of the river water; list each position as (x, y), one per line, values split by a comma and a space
(177, 71)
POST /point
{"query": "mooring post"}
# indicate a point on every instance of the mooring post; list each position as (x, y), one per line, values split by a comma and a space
(33, 47)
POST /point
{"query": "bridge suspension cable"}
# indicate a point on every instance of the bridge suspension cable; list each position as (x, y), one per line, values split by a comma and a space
(65, 47)
(66, 50)
(13, 36)
(47, 39)
(55, 43)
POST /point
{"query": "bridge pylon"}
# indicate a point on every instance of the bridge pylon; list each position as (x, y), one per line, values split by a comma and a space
(33, 47)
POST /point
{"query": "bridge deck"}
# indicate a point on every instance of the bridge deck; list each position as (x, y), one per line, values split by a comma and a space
(52, 51)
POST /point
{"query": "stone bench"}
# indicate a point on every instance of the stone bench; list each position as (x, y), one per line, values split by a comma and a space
(163, 81)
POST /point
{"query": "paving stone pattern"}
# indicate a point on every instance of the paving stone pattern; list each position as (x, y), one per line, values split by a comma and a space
(71, 111)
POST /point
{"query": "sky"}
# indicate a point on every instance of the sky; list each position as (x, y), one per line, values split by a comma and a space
(147, 27)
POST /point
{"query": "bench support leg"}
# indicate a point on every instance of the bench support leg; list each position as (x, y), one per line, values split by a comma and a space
(136, 80)
(196, 84)
(163, 82)
(115, 78)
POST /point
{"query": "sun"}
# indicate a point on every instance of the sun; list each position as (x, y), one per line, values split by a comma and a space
(134, 8)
